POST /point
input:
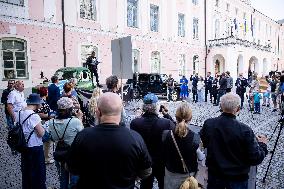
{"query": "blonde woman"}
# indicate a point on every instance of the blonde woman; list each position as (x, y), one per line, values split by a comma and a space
(188, 142)
(92, 106)
(190, 183)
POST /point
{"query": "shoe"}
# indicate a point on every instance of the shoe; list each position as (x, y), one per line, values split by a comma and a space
(49, 161)
(100, 86)
(263, 104)
(254, 112)
(267, 105)
(274, 110)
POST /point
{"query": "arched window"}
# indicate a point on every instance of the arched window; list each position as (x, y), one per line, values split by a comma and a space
(155, 62)
(135, 60)
(195, 64)
(88, 9)
(86, 51)
(14, 58)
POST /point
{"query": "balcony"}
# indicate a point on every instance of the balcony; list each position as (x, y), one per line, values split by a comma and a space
(232, 40)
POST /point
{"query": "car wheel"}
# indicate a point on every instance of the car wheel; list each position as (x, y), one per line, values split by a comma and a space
(174, 96)
(136, 93)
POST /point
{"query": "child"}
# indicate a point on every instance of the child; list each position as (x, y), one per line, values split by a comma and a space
(266, 97)
(256, 100)
(183, 91)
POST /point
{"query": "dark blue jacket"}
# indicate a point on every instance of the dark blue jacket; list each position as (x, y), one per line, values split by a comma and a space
(208, 82)
(231, 147)
(194, 80)
(53, 96)
(241, 85)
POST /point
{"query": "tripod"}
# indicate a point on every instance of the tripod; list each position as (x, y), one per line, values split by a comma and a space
(281, 123)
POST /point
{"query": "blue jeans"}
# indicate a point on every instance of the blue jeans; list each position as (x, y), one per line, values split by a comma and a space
(220, 94)
(33, 168)
(257, 107)
(216, 183)
(10, 123)
(64, 176)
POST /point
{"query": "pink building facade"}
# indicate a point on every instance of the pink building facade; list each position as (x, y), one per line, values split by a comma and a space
(167, 37)
(31, 34)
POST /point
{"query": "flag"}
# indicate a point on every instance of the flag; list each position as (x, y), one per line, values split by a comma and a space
(251, 25)
(245, 25)
(236, 25)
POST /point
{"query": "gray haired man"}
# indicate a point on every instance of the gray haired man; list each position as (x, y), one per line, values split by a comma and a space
(231, 147)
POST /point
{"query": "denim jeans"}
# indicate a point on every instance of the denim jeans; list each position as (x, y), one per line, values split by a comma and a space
(257, 107)
(33, 168)
(64, 177)
(10, 123)
(216, 183)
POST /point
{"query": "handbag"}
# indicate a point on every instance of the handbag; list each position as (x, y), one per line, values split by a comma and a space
(190, 178)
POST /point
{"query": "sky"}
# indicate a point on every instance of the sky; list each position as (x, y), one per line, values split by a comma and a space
(271, 8)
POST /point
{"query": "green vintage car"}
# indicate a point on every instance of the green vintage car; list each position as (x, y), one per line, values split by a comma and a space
(82, 74)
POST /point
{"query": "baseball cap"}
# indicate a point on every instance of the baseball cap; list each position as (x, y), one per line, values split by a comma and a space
(64, 103)
(150, 99)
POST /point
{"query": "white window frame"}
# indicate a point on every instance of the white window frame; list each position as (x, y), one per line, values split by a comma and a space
(195, 27)
(91, 47)
(154, 18)
(134, 18)
(181, 24)
(14, 60)
(91, 15)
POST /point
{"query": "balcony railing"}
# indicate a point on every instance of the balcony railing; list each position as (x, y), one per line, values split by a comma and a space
(232, 40)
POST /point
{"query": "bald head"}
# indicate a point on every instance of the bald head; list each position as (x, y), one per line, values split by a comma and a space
(19, 85)
(110, 104)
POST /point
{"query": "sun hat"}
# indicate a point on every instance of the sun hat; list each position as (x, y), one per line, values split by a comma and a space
(34, 98)
(64, 103)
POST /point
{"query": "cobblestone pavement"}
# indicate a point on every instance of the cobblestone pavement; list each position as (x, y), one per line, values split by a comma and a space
(265, 123)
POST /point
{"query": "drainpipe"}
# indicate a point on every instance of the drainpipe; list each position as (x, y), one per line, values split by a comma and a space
(63, 30)
(205, 30)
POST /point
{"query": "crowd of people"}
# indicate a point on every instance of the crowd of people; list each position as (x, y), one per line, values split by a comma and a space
(248, 89)
(109, 154)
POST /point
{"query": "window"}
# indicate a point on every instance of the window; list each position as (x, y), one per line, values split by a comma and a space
(237, 11)
(88, 9)
(14, 57)
(195, 64)
(14, 2)
(181, 60)
(155, 62)
(195, 28)
(195, 2)
(136, 58)
(154, 18)
(217, 28)
(86, 51)
(132, 11)
(181, 30)
(228, 7)
(217, 3)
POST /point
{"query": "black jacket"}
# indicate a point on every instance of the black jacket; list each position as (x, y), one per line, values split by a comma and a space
(151, 128)
(231, 147)
(208, 82)
(4, 99)
(241, 85)
(223, 84)
(108, 156)
(187, 146)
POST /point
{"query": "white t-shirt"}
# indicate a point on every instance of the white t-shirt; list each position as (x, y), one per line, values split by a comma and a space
(17, 99)
(29, 126)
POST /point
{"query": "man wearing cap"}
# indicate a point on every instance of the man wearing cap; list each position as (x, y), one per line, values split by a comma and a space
(32, 160)
(108, 155)
(151, 128)
(16, 100)
(57, 126)
(4, 99)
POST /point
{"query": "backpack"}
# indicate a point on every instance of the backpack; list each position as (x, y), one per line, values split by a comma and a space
(282, 88)
(16, 138)
(62, 148)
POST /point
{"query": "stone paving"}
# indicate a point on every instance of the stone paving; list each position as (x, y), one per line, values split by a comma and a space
(265, 123)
